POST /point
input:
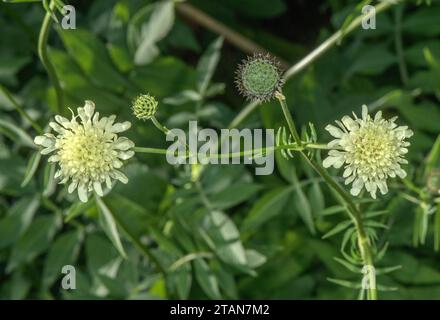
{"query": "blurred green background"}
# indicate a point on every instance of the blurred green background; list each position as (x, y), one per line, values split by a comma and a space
(262, 236)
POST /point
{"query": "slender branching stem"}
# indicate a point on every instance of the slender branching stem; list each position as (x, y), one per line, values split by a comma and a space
(150, 150)
(352, 210)
(159, 126)
(166, 131)
(315, 54)
(188, 258)
(251, 152)
(215, 26)
(42, 52)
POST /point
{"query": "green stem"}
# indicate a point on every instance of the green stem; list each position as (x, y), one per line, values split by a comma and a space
(165, 131)
(282, 99)
(314, 55)
(352, 210)
(243, 114)
(292, 146)
(20, 110)
(159, 126)
(150, 150)
(334, 40)
(42, 52)
(188, 258)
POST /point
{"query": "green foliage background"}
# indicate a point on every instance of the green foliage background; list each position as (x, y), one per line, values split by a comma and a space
(258, 237)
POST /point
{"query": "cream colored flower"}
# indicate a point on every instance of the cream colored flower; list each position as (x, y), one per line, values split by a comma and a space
(89, 152)
(372, 149)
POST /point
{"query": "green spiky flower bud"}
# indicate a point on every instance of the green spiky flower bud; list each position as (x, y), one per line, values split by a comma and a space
(144, 107)
(259, 77)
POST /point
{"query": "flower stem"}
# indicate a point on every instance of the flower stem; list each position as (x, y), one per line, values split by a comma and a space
(215, 26)
(252, 152)
(159, 126)
(42, 52)
(165, 131)
(352, 210)
(150, 150)
(282, 99)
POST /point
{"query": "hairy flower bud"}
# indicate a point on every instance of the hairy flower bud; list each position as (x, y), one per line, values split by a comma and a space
(259, 77)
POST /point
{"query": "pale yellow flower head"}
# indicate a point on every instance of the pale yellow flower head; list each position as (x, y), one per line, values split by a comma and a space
(89, 151)
(370, 149)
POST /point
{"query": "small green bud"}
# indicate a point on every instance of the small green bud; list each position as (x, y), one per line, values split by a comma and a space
(259, 77)
(144, 107)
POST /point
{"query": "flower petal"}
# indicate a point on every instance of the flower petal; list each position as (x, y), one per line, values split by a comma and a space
(334, 131)
(364, 112)
(120, 127)
(123, 144)
(97, 187)
(82, 193)
(116, 174)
